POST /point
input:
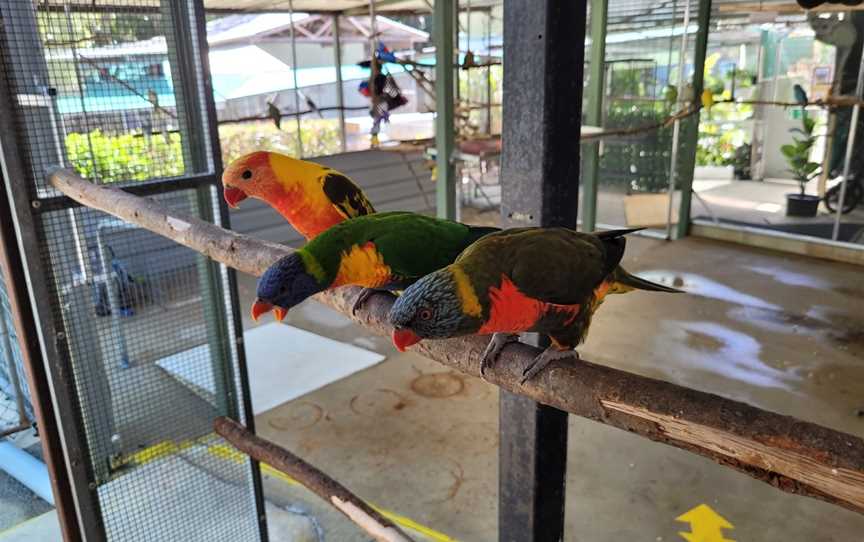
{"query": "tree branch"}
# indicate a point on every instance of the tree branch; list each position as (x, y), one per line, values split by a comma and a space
(792, 455)
(331, 491)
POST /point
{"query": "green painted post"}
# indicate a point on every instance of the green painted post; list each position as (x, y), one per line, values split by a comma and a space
(594, 113)
(445, 140)
(690, 126)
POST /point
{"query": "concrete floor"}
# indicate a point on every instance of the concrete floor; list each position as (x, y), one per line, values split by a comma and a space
(758, 203)
(780, 332)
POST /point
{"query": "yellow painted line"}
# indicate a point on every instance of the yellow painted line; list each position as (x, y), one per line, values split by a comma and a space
(228, 453)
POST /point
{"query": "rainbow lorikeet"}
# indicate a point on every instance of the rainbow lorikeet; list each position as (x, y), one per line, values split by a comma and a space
(310, 196)
(546, 280)
(384, 251)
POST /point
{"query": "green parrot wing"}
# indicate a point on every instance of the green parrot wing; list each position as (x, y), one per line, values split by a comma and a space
(441, 242)
(559, 266)
(554, 265)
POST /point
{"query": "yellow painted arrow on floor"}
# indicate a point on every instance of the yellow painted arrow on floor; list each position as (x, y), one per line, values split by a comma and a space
(706, 525)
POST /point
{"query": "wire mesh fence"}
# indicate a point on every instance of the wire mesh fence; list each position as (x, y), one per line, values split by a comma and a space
(143, 328)
(649, 54)
(16, 405)
(311, 72)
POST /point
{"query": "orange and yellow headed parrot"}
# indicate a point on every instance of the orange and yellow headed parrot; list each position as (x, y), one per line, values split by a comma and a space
(544, 280)
(310, 196)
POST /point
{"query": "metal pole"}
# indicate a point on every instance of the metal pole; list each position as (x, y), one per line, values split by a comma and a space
(778, 57)
(545, 57)
(294, 76)
(850, 146)
(676, 128)
(690, 129)
(764, 127)
(228, 277)
(594, 115)
(468, 102)
(671, 43)
(340, 91)
(29, 279)
(445, 141)
(489, 72)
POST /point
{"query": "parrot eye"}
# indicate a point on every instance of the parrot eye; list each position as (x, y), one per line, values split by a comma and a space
(425, 314)
(247, 174)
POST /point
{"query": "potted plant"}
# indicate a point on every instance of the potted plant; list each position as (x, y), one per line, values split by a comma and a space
(798, 156)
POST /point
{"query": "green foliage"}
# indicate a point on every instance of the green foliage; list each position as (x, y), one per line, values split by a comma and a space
(88, 29)
(320, 137)
(626, 82)
(717, 145)
(797, 154)
(124, 157)
(132, 157)
(472, 89)
(640, 163)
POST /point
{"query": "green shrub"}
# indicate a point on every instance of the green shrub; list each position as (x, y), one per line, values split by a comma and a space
(125, 157)
(320, 137)
(132, 157)
(638, 163)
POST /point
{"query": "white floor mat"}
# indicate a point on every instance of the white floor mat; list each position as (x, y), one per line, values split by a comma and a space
(284, 363)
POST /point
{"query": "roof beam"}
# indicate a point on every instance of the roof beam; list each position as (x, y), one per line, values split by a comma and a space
(360, 28)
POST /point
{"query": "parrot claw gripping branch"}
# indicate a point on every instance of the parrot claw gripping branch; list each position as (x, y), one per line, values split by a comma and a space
(792, 455)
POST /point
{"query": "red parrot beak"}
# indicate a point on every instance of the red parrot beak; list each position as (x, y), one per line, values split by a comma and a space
(262, 307)
(259, 307)
(403, 338)
(233, 196)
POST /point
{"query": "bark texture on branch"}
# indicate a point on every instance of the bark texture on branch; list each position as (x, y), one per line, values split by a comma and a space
(334, 493)
(792, 455)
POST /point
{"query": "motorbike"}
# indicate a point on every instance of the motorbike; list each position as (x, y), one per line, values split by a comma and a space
(854, 194)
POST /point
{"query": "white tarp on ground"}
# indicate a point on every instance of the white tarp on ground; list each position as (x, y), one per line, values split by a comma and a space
(284, 363)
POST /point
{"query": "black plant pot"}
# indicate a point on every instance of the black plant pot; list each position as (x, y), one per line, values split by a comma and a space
(802, 204)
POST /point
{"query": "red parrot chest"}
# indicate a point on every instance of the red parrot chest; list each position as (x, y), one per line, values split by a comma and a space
(511, 311)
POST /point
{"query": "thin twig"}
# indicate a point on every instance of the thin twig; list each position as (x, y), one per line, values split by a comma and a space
(665, 123)
(331, 491)
(291, 114)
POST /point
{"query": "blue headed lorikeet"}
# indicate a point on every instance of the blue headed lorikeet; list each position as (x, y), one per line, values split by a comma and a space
(545, 280)
(384, 251)
(310, 196)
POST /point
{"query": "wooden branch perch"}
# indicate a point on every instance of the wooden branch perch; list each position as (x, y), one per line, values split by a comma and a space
(792, 455)
(334, 493)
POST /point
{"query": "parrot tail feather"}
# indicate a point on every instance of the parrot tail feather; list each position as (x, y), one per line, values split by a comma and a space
(625, 282)
(614, 234)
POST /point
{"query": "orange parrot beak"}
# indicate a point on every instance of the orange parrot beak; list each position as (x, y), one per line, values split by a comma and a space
(403, 338)
(233, 196)
(261, 307)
